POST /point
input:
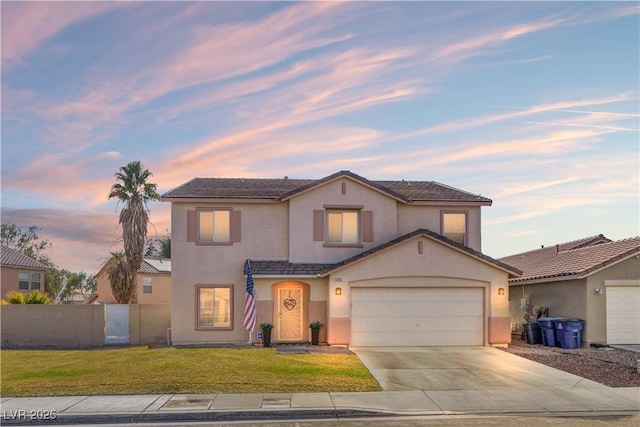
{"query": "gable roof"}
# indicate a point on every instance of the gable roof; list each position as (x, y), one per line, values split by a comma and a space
(284, 268)
(575, 259)
(285, 188)
(11, 258)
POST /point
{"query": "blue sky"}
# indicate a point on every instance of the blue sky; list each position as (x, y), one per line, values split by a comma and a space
(532, 104)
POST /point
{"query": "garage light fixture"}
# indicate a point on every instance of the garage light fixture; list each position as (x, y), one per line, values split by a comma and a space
(500, 291)
(338, 291)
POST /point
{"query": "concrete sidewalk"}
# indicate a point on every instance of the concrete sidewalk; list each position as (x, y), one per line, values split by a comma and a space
(587, 398)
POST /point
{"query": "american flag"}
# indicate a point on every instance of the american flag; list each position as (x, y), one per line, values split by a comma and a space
(249, 302)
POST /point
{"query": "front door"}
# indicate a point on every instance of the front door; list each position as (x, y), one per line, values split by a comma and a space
(290, 309)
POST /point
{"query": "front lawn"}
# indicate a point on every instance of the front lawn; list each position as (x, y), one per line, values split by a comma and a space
(142, 370)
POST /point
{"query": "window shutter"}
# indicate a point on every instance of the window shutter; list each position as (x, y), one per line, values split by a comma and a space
(234, 218)
(192, 226)
(367, 226)
(318, 225)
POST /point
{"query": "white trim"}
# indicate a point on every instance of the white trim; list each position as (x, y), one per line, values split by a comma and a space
(622, 283)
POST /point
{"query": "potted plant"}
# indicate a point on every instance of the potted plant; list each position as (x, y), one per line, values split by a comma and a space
(315, 331)
(266, 334)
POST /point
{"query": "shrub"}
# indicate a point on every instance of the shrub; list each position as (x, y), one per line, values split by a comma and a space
(35, 297)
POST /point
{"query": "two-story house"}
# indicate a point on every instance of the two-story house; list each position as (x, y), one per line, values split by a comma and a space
(378, 262)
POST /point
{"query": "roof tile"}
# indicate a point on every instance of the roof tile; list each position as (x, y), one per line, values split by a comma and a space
(276, 189)
(576, 258)
(11, 258)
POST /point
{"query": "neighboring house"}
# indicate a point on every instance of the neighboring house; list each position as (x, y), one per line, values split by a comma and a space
(20, 273)
(377, 262)
(153, 281)
(593, 279)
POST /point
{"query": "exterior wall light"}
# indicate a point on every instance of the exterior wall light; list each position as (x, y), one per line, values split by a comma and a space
(338, 291)
(500, 291)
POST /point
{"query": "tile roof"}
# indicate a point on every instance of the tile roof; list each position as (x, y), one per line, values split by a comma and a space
(282, 189)
(12, 258)
(578, 258)
(284, 268)
(155, 266)
(148, 266)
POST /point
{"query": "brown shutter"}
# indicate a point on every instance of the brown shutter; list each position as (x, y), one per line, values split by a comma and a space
(192, 226)
(234, 218)
(367, 226)
(318, 225)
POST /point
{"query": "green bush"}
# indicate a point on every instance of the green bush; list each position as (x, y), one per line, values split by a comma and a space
(35, 297)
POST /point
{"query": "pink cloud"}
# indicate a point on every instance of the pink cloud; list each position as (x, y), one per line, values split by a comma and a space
(26, 25)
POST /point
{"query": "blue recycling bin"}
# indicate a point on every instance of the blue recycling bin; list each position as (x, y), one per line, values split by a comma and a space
(548, 330)
(568, 333)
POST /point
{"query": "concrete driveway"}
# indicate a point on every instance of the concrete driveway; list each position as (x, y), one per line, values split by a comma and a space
(460, 368)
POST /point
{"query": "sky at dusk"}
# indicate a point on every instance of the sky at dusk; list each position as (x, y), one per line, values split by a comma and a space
(532, 104)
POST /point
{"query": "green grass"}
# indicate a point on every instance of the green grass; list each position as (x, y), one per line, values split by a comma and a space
(142, 370)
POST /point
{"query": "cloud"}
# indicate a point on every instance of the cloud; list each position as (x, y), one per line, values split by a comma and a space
(26, 25)
(82, 239)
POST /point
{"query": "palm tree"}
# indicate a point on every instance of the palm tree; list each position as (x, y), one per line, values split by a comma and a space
(134, 191)
(120, 278)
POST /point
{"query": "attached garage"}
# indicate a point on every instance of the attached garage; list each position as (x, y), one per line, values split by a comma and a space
(417, 316)
(623, 313)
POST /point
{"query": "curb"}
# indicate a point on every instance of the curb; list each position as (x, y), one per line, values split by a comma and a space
(212, 416)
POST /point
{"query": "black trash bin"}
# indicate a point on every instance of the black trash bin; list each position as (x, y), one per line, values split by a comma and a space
(568, 333)
(532, 333)
(548, 330)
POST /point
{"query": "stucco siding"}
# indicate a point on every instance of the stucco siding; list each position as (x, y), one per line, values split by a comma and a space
(302, 246)
(565, 298)
(263, 236)
(9, 280)
(414, 217)
(597, 303)
(160, 294)
(437, 266)
(575, 298)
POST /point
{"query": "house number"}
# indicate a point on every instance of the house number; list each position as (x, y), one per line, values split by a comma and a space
(337, 279)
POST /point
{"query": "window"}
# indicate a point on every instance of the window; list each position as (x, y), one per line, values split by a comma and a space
(343, 226)
(23, 281)
(35, 281)
(214, 226)
(214, 307)
(454, 226)
(147, 285)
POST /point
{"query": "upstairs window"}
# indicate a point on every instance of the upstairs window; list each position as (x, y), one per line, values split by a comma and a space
(343, 226)
(214, 226)
(454, 226)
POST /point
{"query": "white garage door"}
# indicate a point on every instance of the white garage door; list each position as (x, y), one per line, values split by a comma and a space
(623, 315)
(416, 317)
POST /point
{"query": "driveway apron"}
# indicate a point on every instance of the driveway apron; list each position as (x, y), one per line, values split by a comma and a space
(459, 368)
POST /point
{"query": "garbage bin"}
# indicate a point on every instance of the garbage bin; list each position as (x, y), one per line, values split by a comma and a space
(568, 332)
(548, 330)
(532, 333)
